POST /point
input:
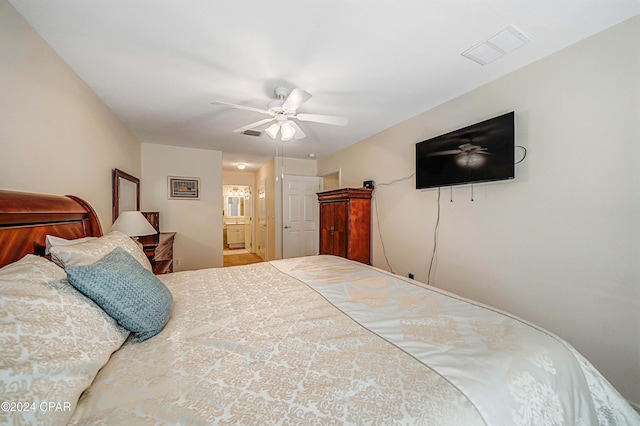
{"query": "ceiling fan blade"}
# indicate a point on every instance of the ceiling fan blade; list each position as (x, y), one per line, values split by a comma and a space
(262, 111)
(299, 133)
(325, 119)
(296, 98)
(252, 125)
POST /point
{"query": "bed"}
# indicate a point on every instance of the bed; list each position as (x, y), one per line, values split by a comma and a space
(312, 340)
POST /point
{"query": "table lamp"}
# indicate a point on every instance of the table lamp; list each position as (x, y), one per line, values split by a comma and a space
(133, 224)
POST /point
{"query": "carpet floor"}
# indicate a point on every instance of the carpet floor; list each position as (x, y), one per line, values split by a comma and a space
(241, 259)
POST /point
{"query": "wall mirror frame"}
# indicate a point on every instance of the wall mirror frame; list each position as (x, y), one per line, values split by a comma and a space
(126, 192)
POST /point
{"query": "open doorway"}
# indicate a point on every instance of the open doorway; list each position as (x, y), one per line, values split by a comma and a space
(237, 227)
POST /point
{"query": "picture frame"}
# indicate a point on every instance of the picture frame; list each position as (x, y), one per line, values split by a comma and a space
(183, 188)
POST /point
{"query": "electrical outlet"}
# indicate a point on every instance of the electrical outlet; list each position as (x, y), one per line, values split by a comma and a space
(410, 275)
(176, 262)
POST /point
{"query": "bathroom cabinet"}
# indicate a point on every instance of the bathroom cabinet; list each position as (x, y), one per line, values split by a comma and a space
(235, 236)
(345, 223)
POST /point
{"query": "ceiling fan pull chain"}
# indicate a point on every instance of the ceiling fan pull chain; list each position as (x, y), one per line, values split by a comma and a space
(282, 161)
(275, 164)
(451, 194)
(472, 200)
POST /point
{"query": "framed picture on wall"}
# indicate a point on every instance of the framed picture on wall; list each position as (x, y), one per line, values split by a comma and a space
(183, 188)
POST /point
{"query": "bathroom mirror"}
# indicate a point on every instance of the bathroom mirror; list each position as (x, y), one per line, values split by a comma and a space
(235, 206)
(126, 192)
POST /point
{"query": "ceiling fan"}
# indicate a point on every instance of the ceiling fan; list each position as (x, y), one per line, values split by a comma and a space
(283, 111)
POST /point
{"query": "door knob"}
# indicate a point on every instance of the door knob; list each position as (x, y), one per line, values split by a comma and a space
(287, 227)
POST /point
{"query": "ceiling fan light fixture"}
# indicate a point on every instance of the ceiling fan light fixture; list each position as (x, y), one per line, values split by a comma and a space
(273, 130)
(287, 131)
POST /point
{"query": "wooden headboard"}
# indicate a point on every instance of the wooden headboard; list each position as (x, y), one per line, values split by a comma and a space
(27, 218)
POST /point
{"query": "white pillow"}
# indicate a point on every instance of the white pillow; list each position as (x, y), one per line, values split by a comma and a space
(52, 241)
(54, 340)
(94, 250)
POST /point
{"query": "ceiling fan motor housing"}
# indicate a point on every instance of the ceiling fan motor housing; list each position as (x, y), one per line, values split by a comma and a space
(276, 106)
(281, 93)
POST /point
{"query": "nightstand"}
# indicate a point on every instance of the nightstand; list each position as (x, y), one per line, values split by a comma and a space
(159, 250)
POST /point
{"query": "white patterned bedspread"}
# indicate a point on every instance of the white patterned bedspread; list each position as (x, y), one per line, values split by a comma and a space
(269, 343)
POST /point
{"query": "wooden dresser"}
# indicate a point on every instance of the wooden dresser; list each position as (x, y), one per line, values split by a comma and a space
(159, 250)
(345, 223)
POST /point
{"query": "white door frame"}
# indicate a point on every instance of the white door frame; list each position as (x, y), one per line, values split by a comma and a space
(261, 221)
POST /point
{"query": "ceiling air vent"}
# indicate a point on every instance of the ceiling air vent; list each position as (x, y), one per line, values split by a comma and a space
(507, 40)
(252, 132)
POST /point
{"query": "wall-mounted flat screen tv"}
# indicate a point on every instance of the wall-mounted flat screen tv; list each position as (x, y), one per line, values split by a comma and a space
(482, 152)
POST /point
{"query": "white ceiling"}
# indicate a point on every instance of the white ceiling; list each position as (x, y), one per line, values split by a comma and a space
(159, 64)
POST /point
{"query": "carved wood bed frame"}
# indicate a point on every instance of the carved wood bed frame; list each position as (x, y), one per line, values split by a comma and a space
(27, 218)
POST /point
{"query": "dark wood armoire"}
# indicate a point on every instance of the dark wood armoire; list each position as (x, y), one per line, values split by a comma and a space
(345, 223)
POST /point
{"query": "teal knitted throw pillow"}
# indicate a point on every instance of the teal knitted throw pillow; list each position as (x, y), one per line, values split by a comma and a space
(129, 293)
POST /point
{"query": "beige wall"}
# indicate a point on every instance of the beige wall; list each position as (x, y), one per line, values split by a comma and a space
(238, 178)
(56, 135)
(298, 167)
(557, 246)
(198, 223)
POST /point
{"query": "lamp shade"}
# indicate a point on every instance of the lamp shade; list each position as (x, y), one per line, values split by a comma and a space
(273, 130)
(287, 131)
(133, 224)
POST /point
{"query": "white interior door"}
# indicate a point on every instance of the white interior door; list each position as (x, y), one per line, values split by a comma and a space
(261, 227)
(300, 215)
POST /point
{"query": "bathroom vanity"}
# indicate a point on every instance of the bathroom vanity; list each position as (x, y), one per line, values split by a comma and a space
(235, 235)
